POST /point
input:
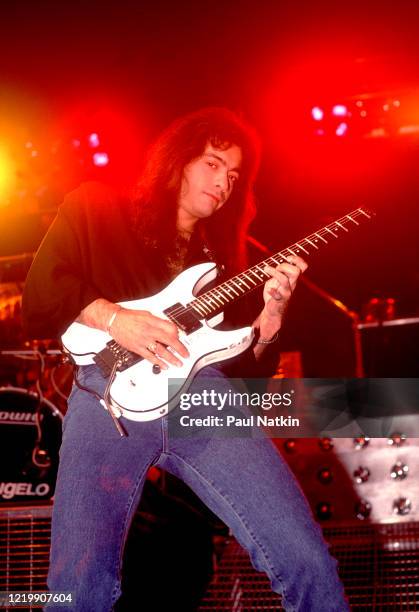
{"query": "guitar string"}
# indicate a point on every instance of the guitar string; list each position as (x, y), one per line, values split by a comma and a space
(324, 231)
(280, 255)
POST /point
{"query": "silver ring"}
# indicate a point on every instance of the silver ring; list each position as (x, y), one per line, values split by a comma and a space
(152, 347)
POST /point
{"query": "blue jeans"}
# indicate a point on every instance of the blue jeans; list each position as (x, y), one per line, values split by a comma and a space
(243, 480)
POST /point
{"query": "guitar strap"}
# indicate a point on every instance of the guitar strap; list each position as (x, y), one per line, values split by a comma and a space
(209, 253)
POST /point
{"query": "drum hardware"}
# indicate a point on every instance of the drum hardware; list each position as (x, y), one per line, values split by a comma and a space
(53, 375)
(45, 388)
(30, 437)
(389, 322)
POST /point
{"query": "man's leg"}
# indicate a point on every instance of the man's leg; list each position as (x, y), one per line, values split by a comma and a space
(99, 485)
(250, 487)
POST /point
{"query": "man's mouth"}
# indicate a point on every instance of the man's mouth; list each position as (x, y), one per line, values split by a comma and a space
(214, 197)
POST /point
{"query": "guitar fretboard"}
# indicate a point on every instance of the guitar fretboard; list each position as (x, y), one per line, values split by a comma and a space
(212, 301)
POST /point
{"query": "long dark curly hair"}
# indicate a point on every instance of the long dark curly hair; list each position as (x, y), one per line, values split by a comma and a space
(156, 195)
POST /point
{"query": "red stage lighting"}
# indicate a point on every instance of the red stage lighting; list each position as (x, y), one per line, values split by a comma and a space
(100, 159)
(340, 110)
(317, 113)
(341, 129)
(93, 140)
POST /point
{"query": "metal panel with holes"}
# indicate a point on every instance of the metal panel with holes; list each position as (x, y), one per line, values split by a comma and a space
(378, 564)
(25, 536)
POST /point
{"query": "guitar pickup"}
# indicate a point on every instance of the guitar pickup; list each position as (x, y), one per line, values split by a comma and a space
(183, 317)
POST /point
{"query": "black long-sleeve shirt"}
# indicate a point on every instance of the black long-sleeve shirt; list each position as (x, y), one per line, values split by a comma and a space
(90, 252)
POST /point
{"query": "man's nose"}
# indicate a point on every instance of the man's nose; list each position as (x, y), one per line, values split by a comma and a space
(222, 181)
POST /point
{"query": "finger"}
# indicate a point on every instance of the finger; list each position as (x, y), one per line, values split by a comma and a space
(282, 277)
(158, 354)
(172, 344)
(290, 272)
(167, 354)
(289, 269)
(275, 295)
(298, 261)
(285, 268)
(280, 293)
(152, 358)
(168, 334)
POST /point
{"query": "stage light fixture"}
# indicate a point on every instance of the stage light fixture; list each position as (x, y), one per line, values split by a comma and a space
(7, 176)
(93, 140)
(100, 159)
(341, 129)
(317, 113)
(339, 110)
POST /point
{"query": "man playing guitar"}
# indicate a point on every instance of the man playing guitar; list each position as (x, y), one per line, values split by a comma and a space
(194, 198)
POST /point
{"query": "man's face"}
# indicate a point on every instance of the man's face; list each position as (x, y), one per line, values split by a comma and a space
(207, 183)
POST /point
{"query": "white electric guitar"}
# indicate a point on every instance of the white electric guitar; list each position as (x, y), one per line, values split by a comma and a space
(140, 391)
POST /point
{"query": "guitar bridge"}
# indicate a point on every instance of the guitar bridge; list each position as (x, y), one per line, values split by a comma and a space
(114, 353)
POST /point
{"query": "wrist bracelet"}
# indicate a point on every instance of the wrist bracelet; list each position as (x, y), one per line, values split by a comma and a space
(271, 341)
(112, 319)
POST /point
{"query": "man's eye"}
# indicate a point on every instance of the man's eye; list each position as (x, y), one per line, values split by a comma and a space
(212, 164)
(233, 178)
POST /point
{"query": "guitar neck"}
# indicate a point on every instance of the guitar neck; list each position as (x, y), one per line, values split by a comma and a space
(213, 301)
